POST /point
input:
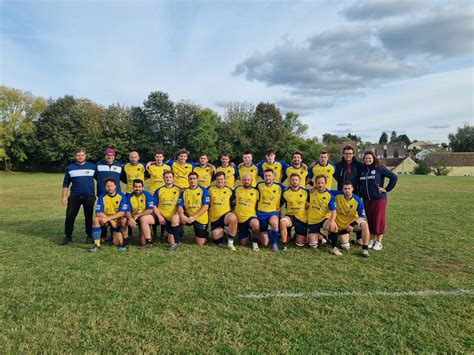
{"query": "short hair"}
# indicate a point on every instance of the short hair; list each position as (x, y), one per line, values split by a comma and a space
(193, 173)
(297, 153)
(347, 183)
(109, 179)
(219, 173)
(138, 181)
(347, 147)
(159, 152)
(202, 154)
(226, 155)
(269, 171)
(323, 152)
(270, 151)
(295, 174)
(183, 151)
(168, 172)
(80, 150)
(247, 152)
(321, 176)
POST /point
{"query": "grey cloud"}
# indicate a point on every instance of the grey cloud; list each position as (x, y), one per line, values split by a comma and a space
(443, 126)
(376, 10)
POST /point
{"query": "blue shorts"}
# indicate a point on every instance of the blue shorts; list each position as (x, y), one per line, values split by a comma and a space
(316, 228)
(301, 228)
(243, 229)
(264, 217)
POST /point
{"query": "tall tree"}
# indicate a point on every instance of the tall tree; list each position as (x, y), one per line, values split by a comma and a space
(266, 128)
(329, 138)
(383, 138)
(393, 137)
(403, 138)
(18, 111)
(185, 112)
(463, 139)
(354, 138)
(204, 137)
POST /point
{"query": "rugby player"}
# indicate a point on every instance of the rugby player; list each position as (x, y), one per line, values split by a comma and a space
(110, 209)
(296, 199)
(221, 197)
(248, 167)
(350, 217)
(181, 168)
(246, 200)
(230, 171)
(269, 207)
(134, 169)
(322, 215)
(140, 213)
(297, 167)
(277, 166)
(205, 171)
(193, 205)
(322, 167)
(165, 201)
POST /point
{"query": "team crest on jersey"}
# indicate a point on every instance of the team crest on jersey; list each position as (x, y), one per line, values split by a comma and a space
(274, 191)
(225, 192)
(251, 170)
(174, 192)
(199, 194)
(328, 170)
(207, 170)
(116, 202)
(351, 206)
(372, 172)
(138, 169)
(251, 194)
(324, 197)
(301, 195)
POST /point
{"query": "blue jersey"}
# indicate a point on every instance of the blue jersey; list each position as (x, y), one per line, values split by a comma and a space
(81, 179)
(111, 205)
(140, 203)
(104, 171)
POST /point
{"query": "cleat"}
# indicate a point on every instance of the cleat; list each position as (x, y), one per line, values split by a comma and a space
(65, 241)
(377, 246)
(255, 247)
(174, 247)
(275, 248)
(365, 253)
(122, 249)
(94, 250)
(336, 251)
(371, 243)
(284, 249)
(232, 248)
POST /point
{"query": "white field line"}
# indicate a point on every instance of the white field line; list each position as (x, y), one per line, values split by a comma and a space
(317, 294)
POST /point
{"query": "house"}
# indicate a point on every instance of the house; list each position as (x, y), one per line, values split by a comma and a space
(421, 155)
(457, 163)
(419, 145)
(400, 165)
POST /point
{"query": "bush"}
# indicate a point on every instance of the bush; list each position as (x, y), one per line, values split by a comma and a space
(422, 168)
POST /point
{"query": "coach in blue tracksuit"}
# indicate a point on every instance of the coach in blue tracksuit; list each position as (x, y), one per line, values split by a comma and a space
(80, 175)
(108, 168)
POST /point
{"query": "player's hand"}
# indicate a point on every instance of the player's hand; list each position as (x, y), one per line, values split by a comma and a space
(64, 201)
(191, 219)
(232, 164)
(183, 219)
(381, 189)
(241, 165)
(103, 220)
(350, 228)
(313, 164)
(333, 227)
(304, 166)
(149, 164)
(132, 222)
(162, 220)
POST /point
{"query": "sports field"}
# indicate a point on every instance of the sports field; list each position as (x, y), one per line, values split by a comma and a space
(63, 299)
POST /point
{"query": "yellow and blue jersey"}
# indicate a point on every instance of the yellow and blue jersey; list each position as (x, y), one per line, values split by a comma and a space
(204, 175)
(140, 203)
(111, 205)
(192, 200)
(326, 170)
(181, 172)
(156, 176)
(271, 196)
(279, 167)
(231, 173)
(348, 210)
(320, 206)
(246, 200)
(132, 172)
(252, 170)
(220, 201)
(302, 172)
(296, 202)
(166, 200)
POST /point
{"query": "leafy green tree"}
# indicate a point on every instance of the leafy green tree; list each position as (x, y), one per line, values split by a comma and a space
(329, 138)
(422, 168)
(266, 128)
(393, 137)
(185, 112)
(354, 138)
(204, 137)
(463, 139)
(383, 138)
(403, 138)
(18, 111)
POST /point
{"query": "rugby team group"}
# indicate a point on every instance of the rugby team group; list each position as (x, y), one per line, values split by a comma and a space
(242, 201)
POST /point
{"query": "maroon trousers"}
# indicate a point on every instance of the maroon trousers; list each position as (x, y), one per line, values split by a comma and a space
(376, 215)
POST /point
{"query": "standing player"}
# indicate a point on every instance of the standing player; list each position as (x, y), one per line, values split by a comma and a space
(110, 209)
(297, 167)
(322, 214)
(296, 199)
(277, 166)
(230, 171)
(181, 168)
(246, 200)
(351, 217)
(204, 171)
(220, 213)
(323, 167)
(165, 202)
(269, 207)
(140, 213)
(192, 208)
(80, 175)
(133, 170)
(156, 170)
(248, 167)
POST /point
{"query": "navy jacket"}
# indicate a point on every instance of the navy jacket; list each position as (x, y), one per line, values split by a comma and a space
(104, 171)
(81, 179)
(371, 178)
(341, 174)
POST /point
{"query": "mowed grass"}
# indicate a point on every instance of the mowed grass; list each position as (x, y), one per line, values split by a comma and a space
(63, 299)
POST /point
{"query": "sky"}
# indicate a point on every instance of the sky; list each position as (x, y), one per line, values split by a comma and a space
(362, 67)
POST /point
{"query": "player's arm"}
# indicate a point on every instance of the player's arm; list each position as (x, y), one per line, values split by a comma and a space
(182, 216)
(332, 215)
(309, 177)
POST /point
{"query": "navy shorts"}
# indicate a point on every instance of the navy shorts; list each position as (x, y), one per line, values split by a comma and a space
(301, 228)
(316, 228)
(264, 218)
(167, 225)
(219, 223)
(200, 230)
(243, 229)
(345, 231)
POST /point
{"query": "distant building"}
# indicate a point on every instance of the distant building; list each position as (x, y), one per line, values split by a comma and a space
(403, 166)
(420, 145)
(458, 164)
(421, 155)
(386, 151)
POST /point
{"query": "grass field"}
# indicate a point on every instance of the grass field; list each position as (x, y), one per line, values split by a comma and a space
(63, 299)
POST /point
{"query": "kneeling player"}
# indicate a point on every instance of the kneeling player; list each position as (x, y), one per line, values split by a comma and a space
(246, 199)
(110, 210)
(165, 200)
(192, 208)
(322, 214)
(351, 217)
(296, 199)
(220, 213)
(140, 213)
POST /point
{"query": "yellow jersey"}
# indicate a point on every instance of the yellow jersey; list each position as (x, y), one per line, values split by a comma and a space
(220, 201)
(252, 170)
(131, 172)
(192, 200)
(326, 170)
(348, 210)
(278, 166)
(231, 173)
(111, 205)
(271, 197)
(320, 206)
(156, 176)
(302, 172)
(296, 202)
(181, 172)
(246, 200)
(166, 200)
(140, 203)
(204, 175)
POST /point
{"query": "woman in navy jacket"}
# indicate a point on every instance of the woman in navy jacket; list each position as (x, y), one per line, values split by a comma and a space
(372, 190)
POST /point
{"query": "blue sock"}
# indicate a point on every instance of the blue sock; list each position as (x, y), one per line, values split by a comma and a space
(273, 235)
(96, 232)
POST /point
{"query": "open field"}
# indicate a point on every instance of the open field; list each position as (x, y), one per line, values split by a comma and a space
(61, 298)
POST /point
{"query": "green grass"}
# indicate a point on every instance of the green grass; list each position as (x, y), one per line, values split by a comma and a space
(63, 299)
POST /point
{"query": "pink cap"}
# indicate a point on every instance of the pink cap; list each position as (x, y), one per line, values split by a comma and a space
(110, 151)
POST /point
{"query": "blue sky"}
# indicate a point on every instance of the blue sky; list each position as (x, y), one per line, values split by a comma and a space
(356, 66)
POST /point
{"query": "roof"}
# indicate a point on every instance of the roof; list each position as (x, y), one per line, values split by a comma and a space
(391, 162)
(452, 158)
